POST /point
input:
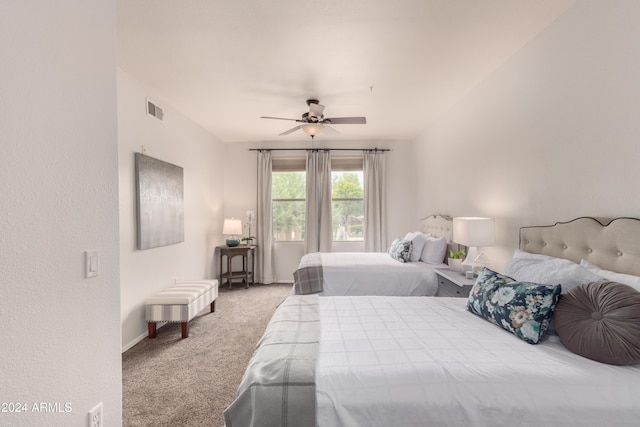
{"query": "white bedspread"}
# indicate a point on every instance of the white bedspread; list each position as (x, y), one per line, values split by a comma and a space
(389, 361)
(376, 273)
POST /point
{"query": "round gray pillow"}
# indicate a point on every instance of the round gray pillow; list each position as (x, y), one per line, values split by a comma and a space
(601, 321)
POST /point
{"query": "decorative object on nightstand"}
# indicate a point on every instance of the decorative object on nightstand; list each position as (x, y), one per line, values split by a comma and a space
(474, 232)
(455, 260)
(232, 227)
(453, 283)
(251, 216)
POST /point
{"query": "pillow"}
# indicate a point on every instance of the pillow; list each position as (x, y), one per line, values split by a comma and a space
(522, 308)
(410, 235)
(625, 279)
(434, 250)
(549, 271)
(418, 241)
(601, 321)
(523, 254)
(400, 250)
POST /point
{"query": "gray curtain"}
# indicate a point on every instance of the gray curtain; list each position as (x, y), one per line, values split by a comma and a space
(264, 222)
(375, 229)
(318, 233)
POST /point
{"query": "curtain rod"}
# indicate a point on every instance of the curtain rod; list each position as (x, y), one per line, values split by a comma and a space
(375, 150)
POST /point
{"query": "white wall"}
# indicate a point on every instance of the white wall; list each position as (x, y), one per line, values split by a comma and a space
(549, 136)
(180, 141)
(59, 184)
(241, 191)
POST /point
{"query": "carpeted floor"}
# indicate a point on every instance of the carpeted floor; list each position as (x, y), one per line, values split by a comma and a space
(169, 381)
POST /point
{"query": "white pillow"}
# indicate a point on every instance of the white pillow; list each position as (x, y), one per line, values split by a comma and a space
(434, 250)
(522, 254)
(418, 240)
(625, 279)
(549, 271)
(410, 235)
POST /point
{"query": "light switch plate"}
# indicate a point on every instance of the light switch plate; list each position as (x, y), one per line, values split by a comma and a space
(91, 264)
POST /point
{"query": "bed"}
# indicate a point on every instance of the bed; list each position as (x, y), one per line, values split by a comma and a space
(377, 273)
(380, 360)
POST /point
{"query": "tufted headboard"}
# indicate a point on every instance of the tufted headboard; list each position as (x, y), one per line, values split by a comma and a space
(440, 226)
(614, 246)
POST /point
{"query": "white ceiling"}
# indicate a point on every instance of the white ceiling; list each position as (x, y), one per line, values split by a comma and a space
(400, 63)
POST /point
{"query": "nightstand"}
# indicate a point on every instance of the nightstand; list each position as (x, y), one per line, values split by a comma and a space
(453, 283)
(248, 254)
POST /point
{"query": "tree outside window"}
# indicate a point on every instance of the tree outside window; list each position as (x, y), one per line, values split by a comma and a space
(347, 205)
(288, 191)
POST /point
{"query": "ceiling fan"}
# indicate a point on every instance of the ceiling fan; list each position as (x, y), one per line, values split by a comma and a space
(313, 122)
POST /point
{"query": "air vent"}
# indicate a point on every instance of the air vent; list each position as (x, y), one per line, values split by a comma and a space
(154, 110)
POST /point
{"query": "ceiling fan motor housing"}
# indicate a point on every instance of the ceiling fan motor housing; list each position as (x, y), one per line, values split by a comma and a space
(314, 122)
(311, 119)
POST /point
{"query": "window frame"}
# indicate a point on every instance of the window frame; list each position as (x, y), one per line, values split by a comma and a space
(348, 164)
(298, 164)
(287, 164)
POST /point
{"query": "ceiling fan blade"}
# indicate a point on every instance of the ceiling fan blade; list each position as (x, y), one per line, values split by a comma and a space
(279, 118)
(287, 132)
(330, 130)
(315, 110)
(347, 120)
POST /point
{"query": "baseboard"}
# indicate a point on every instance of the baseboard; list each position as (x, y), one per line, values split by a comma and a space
(141, 337)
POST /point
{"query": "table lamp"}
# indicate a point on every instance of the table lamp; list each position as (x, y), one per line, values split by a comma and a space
(233, 228)
(474, 232)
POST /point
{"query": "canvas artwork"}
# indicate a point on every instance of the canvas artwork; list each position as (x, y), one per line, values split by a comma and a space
(160, 202)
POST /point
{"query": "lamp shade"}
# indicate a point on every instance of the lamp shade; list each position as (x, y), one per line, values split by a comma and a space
(473, 231)
(312, 129)
(232, 226)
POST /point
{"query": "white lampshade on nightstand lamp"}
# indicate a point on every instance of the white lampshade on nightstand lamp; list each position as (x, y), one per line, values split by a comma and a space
(474, 232)
(233, 228)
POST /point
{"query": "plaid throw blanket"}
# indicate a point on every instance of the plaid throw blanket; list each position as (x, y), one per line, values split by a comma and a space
(308, 277)
(278, 388)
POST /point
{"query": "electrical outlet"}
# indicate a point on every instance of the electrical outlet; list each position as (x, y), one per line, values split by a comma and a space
(95, 416)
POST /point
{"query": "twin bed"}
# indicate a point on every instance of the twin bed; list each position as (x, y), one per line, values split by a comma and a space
(383, 360)
(375, 273)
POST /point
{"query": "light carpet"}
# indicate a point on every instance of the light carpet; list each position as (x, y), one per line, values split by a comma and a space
(169, 381)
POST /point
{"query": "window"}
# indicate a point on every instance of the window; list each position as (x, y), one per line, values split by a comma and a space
(288, 191)
(347, 199)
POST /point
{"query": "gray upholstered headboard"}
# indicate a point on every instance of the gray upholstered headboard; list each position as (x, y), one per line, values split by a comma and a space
(613, 246)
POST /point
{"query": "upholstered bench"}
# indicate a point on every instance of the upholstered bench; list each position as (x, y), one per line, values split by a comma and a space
(180, 303)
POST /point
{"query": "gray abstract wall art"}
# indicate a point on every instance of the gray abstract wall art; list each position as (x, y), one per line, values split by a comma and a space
(159, 202)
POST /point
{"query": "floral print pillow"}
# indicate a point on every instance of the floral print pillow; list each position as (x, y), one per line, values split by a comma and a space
(522, 308)
(400, 250)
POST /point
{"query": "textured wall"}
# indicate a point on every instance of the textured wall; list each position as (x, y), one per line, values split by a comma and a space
(59, 184)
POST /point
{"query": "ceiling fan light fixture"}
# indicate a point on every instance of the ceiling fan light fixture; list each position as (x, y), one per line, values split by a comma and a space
(314, 123)
(312, 129)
